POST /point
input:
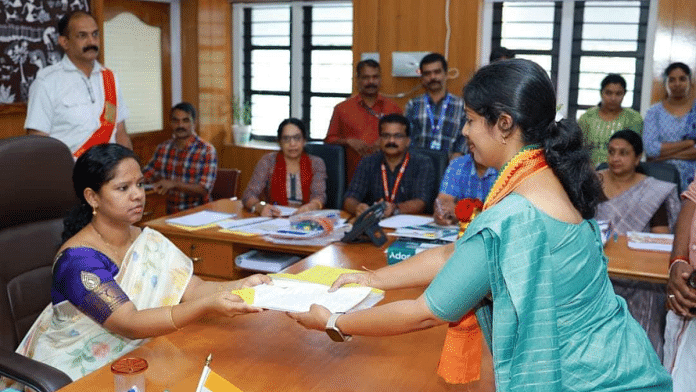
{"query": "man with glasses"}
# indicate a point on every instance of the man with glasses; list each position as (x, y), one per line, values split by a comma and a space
(184, 167)
(404, 180)
(354, 121)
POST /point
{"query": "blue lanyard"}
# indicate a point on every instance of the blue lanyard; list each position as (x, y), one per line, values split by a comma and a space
(436, 128)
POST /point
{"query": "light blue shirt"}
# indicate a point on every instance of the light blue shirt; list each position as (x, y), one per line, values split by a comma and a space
(462, 181)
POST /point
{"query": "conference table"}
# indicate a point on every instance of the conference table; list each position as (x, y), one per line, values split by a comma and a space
(270, 352)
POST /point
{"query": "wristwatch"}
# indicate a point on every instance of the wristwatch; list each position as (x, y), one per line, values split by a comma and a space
(332, 330)
(253, 208)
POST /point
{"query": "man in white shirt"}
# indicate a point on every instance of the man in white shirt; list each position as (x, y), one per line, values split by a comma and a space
(77, 101)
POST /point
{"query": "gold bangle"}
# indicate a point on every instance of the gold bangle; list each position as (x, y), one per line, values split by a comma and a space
(171, 317)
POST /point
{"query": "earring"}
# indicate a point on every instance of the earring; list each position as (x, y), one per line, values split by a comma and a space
(94, 211)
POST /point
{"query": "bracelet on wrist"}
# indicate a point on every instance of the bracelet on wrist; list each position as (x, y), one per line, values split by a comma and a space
(674, 261)
(678, 258)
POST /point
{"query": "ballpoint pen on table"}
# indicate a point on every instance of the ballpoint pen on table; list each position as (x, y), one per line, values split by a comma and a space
(204, 373)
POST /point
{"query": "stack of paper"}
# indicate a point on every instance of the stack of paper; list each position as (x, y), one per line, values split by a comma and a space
(429, 231)
(199, 220)
(297, 292)
(404, 220)
(650, 241)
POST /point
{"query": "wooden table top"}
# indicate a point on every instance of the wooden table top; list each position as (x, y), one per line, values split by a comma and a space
(636, 264)
(213, 234)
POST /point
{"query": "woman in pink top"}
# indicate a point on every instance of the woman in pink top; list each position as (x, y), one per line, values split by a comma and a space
(680, 329)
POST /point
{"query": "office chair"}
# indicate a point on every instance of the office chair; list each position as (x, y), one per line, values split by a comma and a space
(440, 161)
(660, 170)
(226, 184)
(334, 157)
(36, 173)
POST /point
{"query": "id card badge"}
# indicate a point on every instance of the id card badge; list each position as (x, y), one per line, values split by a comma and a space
(435, 145)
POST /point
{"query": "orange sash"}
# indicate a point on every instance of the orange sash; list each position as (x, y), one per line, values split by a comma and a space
(460, 361)
(107, 120)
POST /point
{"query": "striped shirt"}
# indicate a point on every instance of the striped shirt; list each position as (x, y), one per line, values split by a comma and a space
(196, 163)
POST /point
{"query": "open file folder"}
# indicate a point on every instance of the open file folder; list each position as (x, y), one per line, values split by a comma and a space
(255, 260)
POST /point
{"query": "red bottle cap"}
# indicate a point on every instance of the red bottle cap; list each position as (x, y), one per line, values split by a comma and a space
(129, 366)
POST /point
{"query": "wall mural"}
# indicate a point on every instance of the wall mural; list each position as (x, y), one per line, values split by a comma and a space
(29, 42)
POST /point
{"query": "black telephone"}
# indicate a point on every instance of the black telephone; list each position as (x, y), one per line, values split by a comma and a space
(366, 227)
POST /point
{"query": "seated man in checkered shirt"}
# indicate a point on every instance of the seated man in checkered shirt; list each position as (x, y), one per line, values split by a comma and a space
(184, 167)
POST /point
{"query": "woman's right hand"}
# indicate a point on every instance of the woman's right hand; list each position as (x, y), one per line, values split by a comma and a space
(230, 305)
(361, 278)
(681, 298)
(270, 211)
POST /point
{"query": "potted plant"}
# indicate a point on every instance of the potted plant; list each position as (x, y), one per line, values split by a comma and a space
(241, 115)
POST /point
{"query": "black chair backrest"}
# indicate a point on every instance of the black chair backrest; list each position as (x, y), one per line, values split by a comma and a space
(660, 170)
(334, 157)
(226, 184)
(36, 173)
(440, 161)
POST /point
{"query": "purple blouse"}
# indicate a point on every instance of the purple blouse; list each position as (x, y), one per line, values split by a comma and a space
(85, 278)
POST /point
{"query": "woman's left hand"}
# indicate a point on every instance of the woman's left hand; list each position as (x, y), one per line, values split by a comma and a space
(254, 280)
(316, 318)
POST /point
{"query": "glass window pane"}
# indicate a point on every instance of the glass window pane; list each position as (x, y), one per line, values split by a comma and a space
(270, 26)
(600, 3)
(267, 111)
(593, 80)
(332, 33)
(270, 70)
(609, 14)
(588, 97)
(540, 12)
(320, 115)
(270, 34)
(609, 46)
(328, 12)
(270, 14)
(527, 30)
(619, 65)
(332, 25)
(531, 44)
(332, 71)
(543, 60)
(610, 31)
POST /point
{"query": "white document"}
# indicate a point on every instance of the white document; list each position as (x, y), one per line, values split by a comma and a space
(229, 224)
(200, 218)
(403, 220)
(285, 210)
(265, 227)
(298, 296)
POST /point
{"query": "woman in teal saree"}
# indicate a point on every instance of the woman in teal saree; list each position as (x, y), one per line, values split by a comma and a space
(555, 322)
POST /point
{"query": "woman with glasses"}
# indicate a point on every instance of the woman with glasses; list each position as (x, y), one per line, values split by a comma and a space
(290, 177)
